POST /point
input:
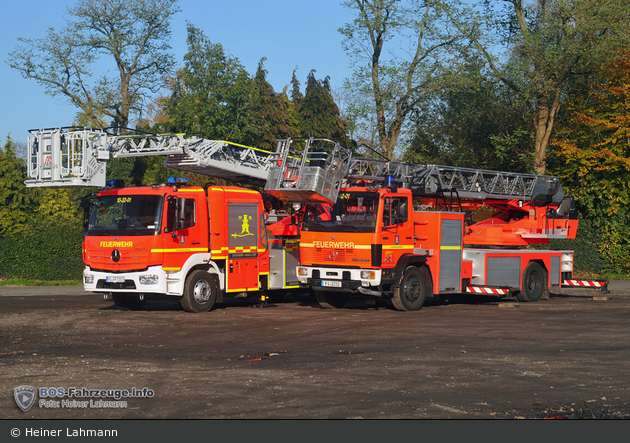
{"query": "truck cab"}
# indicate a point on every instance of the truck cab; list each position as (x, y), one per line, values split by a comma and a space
(357, 245)
(186, 241)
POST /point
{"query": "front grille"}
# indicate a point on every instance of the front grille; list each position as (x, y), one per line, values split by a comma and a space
(130, 259)
(329, 256)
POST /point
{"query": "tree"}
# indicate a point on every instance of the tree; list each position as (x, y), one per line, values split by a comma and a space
(15, 202)
(591, 153)
(212, 95)
(319, 115)
(271, 111)
(398, 84)
(549, 42)
(479, 123)
(133, 35)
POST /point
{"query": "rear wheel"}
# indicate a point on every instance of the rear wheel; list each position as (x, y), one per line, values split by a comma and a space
(534, 284)
(200, 292)
(413, 290)
(331, 300)
(128, 302)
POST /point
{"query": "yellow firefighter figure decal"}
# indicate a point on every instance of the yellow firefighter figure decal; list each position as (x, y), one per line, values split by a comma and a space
(244, 227)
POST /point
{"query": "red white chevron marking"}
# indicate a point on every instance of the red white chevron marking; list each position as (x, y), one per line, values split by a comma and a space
(588, 283)
(482, 290)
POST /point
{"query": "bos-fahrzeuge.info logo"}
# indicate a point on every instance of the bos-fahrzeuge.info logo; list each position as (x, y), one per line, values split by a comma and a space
(26, 396)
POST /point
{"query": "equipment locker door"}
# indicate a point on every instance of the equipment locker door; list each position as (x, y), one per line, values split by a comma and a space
(243, 270)
(450, 256)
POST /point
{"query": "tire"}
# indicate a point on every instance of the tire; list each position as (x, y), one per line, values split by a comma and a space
(331, 300)
(128, 302)
(200, 292)
(534, 284)
(414, 287)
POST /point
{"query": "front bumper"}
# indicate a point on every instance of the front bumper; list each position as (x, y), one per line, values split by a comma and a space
(339, 279)
(137, 281)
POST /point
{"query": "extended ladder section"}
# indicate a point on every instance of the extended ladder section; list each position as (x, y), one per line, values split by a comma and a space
(312, 172)
(70, 157)
(479, 184)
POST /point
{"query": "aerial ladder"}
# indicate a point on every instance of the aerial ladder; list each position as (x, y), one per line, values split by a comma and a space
(77, 157)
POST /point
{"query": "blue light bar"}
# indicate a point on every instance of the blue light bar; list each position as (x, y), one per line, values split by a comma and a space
(177, 180)
(389, 180)
(115, 183)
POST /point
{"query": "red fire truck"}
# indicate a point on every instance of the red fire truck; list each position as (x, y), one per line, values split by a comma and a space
(193, 242)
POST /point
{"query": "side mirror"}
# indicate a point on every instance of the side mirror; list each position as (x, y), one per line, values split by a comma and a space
(181, 214)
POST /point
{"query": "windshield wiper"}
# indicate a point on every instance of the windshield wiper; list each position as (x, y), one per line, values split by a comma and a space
(315, 225)
(99, 230)
(348, 227)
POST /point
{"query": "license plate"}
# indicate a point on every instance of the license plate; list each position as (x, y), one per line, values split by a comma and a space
(331, 283)
(115, 279)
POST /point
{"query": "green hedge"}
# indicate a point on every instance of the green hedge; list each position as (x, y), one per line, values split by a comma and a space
(48, 250)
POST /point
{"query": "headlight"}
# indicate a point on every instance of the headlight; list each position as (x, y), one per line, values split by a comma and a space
(368, 275)
(148, 279)
(302, 272)
(88, 278)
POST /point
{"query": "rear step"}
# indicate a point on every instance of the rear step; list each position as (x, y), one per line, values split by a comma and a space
(595, 284)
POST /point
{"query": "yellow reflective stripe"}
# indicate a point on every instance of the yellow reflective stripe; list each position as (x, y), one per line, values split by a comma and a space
(397, 246)
(247, 191)
(242, 290)
(172, 269)
(450, 248)
(243, 249)
(181, 250)
(248, 147)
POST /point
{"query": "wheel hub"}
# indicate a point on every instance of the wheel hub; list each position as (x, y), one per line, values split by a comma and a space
(412, 290)
(201, 292)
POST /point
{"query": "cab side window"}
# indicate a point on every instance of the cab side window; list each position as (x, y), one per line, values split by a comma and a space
(191, 219)
(395, 211)
(190, 214)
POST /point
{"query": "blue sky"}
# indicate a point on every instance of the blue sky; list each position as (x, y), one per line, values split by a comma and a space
(289, 33)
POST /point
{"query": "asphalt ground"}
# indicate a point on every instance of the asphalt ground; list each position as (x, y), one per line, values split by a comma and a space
(464, 357)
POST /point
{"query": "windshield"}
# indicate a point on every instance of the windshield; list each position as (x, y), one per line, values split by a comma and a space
(353, 212)
(125, 215)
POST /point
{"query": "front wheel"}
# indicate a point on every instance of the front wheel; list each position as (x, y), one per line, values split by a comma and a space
(200, 292)
(414, 287)
(534, 284)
